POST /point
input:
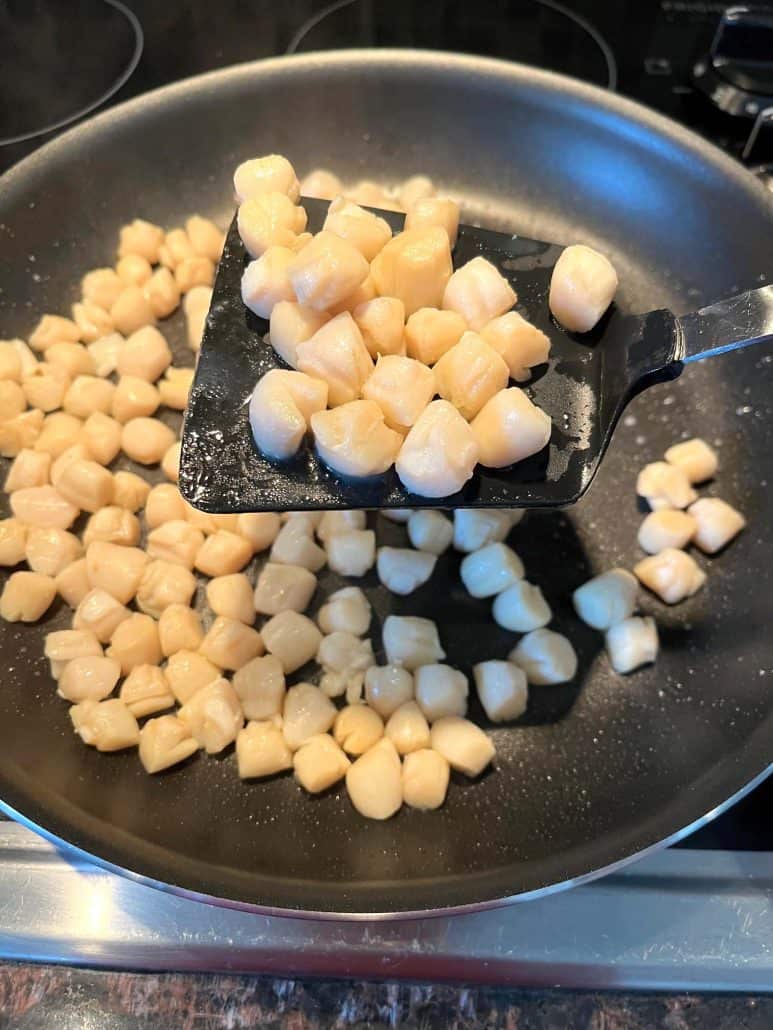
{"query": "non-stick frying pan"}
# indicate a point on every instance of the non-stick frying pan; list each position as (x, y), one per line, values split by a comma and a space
(596, 771)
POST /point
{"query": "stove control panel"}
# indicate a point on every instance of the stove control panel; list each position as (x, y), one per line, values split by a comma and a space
(737, 73)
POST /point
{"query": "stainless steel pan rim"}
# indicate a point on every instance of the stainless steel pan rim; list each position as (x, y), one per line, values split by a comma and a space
(394, 917)
(434, 60)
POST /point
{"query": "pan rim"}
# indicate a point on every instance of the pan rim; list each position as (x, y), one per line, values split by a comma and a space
(499, 73)
(389, 57)
(404, 915)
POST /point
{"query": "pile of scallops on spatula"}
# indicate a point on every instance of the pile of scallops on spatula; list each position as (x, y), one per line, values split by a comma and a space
(396, 358)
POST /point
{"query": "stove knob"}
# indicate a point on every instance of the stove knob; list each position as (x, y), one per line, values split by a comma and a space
(737, 73)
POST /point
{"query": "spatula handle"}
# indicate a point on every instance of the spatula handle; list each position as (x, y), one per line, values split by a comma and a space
(733, 323)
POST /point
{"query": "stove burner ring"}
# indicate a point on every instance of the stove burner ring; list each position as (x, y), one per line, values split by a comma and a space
(588, 27)
(139, 41)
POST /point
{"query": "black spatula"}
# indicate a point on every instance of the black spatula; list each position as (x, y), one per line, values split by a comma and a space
(584, 389)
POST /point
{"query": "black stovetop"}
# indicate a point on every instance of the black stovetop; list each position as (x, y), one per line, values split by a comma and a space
(55, 66)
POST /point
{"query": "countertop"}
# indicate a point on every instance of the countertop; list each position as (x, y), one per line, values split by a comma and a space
(40, 997)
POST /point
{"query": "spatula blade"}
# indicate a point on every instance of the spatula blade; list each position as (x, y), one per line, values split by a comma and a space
(222, 471)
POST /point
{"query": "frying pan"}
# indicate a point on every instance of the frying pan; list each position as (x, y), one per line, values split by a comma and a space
(595, 772)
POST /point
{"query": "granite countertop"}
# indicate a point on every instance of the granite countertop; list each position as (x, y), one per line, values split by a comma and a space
(39, 997)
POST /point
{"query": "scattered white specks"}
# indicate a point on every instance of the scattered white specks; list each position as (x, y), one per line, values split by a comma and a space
(629, 420)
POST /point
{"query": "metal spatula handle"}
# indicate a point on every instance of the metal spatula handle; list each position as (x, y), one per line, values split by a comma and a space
(729, 325)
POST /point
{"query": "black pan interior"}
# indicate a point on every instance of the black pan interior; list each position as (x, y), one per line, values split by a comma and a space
(595, 771)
